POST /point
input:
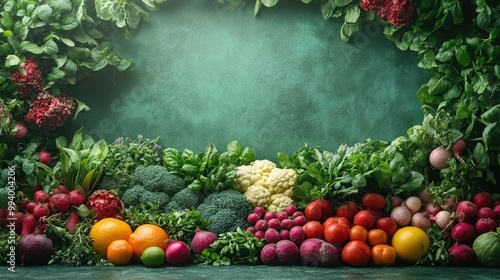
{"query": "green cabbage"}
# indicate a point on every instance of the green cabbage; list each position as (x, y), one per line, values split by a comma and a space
(487, 248)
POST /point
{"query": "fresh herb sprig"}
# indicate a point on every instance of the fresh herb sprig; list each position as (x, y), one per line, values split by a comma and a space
(438, 254)
(179, 224)
(238, 247)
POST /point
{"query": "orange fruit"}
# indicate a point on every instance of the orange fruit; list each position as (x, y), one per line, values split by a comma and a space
(376, 236)
(411, 243)
(106, 231)
(119, 252)
(358, 232)
(146, 236)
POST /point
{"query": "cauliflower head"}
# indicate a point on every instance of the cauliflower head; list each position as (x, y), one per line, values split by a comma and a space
(281, 180)
(246, 176)
(279, 202)
(258, 195)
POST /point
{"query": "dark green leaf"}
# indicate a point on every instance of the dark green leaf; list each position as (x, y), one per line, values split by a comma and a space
(491, 135)
(492, 115)
(462, 55)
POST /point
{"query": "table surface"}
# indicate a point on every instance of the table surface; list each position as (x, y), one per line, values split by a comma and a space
(259, 272)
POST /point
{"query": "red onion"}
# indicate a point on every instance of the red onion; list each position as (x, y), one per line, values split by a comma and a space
(177, 253)
(202, 239)
(35, 249)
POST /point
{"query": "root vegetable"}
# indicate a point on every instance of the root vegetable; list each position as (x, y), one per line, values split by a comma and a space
(287, 252)
(261, 211)
(272, 235)
(457, 148)
(486, 212)
(290, 210)
(252, 218)
(60, 202)
(261, 225)
(318, 253)
(466, 211)
(269, 215)
(396, 201)
(299, 221)
(45, 157)
(281, 216)
(413, 203)
(41, 197)
(35, 249)
(259, 234)
(297, 235)
(287, 224)
(268, 254)
(41, 210)
(274, 223)
(421, 221)
(73, 220)
(21, 130)
(284, 234)
(462, 254)
(463, 232)
(439, 158)
(401, 215)
(29, 224)
(442, 219)
(485, 224)
(77, 197)
(202, 239)
(482, 199)
(177, 253)
(432, 209)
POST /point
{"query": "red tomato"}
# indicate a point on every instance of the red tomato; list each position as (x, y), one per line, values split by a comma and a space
(388, 225)
(356, 253)
(313, 211)
(336, 233)
(314, 229)
(347, 210)
(326, 208)
(365, 219)
(383, 254)
(336, 220)
(373, 201)
(377, 236)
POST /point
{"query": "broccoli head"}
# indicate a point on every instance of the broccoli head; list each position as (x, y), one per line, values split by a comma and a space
(156, 178)
(138, 195)
(226, 220)
(230, 199)
(207, 210)
(187, 198)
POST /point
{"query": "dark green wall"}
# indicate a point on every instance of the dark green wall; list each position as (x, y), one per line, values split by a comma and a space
(274, 82)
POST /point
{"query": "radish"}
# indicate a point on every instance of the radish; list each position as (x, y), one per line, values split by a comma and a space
(60, 202)
(287, 224)
(297, 235)
(425, 196)
(486, 212)
(41, 210)
(466, 211)
(457, 148)
(282, 215)
(482, 199)
(41, 197)
(259, 234)
(73, 220)
(421, 221)
(432, 209)
(396, 201)
(9, 115)
(449, 204)
(299, 221)
(21, 130)
(272, 235)
(284, 234)
(252, 218)
(439, 158)
(29, 224)
(462, 254)
(413, 203)
(485, 224)
(442, 219)
(261, 225)
(44, 157)
(261, 211)
(29, 207)
(274, 223)
(290, 210)
(77, 197)
(401, 215)
(463, 232)
(269, 215)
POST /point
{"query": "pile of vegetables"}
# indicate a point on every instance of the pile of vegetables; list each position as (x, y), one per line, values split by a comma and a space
(313, 207)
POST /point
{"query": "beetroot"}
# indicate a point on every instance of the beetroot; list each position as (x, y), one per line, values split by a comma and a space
(274, 223)
(252, 218)
(35, 249)
(281, 216)
(272, 235)
(290, 210)
(284, 234)
(287, 252)
(299, 221)
(105, 204)
(60, 202)
(261, 225)
(462, 254)
(288, 223)
(316, 252)
(463, 232)
(268, 254)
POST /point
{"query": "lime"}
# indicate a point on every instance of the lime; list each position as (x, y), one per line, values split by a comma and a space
(153, 256)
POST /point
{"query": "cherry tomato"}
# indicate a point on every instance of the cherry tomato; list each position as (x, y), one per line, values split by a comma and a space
(314, 229)
(358, 233)
(336, 233)
(383, 254)
(364, 219)
(376, 237)
(356, 253)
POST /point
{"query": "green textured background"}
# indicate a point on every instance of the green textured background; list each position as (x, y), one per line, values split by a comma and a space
(203, 74)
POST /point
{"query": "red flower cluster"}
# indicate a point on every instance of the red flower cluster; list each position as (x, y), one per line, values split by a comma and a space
(49, 111)
(396, 12)
(29, 77)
